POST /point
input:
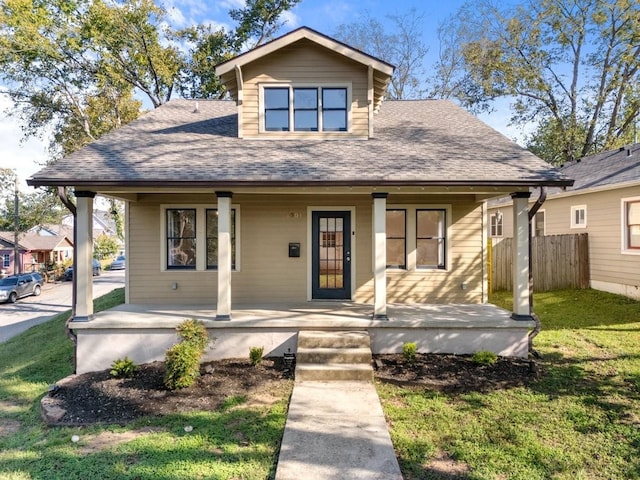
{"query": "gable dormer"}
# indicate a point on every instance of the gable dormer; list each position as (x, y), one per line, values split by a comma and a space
(305, 84)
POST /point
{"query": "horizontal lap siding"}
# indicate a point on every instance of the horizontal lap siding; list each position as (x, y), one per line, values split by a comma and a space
(304, 62)
(268, 223)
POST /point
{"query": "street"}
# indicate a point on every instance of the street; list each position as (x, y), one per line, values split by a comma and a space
(55, 298)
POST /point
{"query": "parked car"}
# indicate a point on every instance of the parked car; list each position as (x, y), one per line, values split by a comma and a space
(97, 269)
(118, 263)
(14, 287)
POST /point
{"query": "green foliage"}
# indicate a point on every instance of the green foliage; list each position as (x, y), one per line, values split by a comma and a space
(484, 357)
(105, 246)
(37, 208)
(409, 350)
(182, 361)
(255, 355)
(195, 333)
(259, 20)
(123, 368)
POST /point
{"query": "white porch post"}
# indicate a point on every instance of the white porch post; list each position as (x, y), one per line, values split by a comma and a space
(521, 239)
(83, 270)
(380, 256)
(224, 256)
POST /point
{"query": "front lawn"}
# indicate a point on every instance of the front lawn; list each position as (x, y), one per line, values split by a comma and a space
(580, 420)
(238, 441)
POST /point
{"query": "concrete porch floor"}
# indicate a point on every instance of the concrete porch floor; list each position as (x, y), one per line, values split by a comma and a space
(145, 332)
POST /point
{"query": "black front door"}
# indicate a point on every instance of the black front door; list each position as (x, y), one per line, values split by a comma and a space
(331, 255)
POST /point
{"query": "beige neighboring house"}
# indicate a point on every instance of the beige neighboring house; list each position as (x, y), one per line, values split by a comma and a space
(303, 203)
(604, 202)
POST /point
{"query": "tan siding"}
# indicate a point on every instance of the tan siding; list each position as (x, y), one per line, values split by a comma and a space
(267, 275)
(607, 262)
(304, 62)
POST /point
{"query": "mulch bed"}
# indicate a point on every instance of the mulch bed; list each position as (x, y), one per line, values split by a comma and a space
(99, 398)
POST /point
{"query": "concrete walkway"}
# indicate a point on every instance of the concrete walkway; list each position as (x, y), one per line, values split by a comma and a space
(336, 430)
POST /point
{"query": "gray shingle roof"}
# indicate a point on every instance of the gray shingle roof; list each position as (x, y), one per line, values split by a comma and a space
(426, 142)
(604, 169)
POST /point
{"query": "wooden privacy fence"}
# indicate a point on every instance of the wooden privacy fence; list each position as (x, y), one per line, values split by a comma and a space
(559, 261)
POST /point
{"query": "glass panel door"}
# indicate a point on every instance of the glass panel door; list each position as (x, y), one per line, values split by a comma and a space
(331, 255)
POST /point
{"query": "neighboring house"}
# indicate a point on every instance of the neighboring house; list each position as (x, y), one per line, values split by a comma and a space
(604, 202)
(37, 251)
(306, 202)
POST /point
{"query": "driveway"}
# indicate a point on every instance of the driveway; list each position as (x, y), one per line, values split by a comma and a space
(17, 317)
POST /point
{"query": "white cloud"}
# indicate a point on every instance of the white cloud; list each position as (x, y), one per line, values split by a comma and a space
(290, 19)
(25, 157)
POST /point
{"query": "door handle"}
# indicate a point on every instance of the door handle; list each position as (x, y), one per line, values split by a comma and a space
(347, 257)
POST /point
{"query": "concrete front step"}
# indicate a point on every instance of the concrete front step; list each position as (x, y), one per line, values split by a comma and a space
(333, 355)
(328, 356)
(334, 372)
(320, 339)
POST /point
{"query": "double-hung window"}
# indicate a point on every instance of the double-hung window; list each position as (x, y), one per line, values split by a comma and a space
(495, 222)
(305, 109)
(431, 238)
(578, 216)
(631, 225)
(6, 260)
(191, 237)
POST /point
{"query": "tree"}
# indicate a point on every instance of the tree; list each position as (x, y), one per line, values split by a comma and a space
(571, 66)
(105, 247)
(258, 21)
(403, 48)
(37, 208)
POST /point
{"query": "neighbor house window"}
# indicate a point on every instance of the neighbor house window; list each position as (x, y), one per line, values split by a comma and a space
(181, 238)
(430, 238)
(495, 224)
(6, 260)
(538, 224)
(579, 216)
(212, 238)
(396, 238)
(631, 223)
(305, 109)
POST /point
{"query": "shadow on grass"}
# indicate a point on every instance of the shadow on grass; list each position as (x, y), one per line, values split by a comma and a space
(238, 443)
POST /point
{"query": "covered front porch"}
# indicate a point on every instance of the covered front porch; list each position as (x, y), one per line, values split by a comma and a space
(144, 332)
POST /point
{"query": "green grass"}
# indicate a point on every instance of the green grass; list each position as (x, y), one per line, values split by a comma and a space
(581, 420)
(236, 442)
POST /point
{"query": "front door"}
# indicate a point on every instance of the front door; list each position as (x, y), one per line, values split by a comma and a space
(331, 255)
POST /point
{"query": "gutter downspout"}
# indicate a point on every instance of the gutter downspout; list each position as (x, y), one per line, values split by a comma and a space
(532, 213)
(62, 195)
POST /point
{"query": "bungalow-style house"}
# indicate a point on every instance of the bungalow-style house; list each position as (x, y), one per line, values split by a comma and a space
(35, 251)
(305, 202)
(604, 202)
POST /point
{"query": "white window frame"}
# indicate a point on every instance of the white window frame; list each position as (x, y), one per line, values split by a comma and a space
(625, 250)
(201, 236)
(6, 260)
(574, 210)
(534, 223)
(291, 87)
(411, 236)
(499, 225)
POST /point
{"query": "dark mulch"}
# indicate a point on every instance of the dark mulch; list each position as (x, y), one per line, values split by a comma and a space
(99, 398)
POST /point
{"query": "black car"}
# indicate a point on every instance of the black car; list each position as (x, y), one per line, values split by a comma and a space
(14, 287)
(97, 269)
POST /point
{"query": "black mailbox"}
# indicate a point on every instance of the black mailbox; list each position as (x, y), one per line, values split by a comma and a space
(294, 250)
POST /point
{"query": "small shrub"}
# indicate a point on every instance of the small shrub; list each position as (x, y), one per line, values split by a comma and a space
(484, 357)
(409, 350)
(182, 364)
(123, 368)
(194, 332)
(255, 355)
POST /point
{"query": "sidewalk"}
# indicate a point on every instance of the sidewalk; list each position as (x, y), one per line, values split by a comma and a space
(336, 430)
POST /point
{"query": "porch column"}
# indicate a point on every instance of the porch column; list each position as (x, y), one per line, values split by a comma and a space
(224, 256)
(83, 269)
(380, 256)
(521, 238)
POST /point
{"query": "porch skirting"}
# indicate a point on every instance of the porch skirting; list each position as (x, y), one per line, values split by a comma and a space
(145, 332)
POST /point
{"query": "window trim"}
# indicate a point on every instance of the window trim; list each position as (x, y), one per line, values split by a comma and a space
(6, 260)
(443, 265)
(234, 238)
(534, 223)
(624, 226)
(499, 216)
(201, 236)
(410, 251)
(574, 210)
(320, 108)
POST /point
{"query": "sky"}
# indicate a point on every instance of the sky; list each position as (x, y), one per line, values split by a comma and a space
(28, 155)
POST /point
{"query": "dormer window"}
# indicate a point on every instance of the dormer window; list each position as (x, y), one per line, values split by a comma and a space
(305, 109)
